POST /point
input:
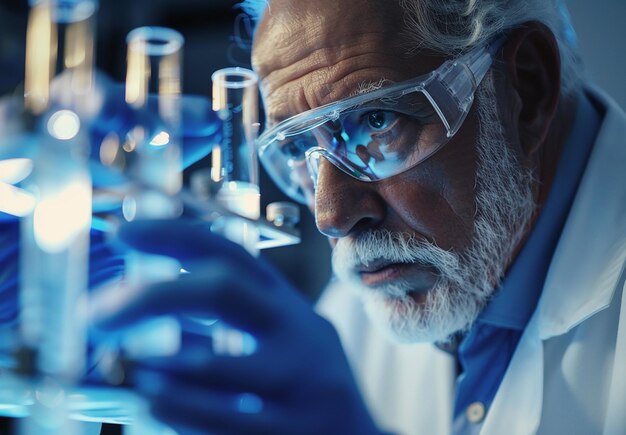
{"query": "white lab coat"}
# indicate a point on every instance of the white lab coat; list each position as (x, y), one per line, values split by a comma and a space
(568, 373)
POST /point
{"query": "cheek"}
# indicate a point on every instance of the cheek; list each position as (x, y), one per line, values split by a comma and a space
(437, 198)
(429, 209)
(458, 163)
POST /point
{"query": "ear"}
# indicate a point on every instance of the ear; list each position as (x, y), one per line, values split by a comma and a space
(533, 66)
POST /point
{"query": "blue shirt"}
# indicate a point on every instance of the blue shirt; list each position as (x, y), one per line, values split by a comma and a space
(485, 351)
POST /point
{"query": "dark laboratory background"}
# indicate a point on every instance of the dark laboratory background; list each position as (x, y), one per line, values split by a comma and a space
(216, 36)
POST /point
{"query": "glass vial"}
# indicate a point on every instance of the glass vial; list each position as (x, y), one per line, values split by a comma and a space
(234, 160)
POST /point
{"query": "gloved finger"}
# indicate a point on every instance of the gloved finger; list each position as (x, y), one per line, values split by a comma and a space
(105, 263)
(199, 365)
(100, 263)
(212, 411)
(192, 242)
(105, 274)
(184, 239)
(217, 292)
(100, 249)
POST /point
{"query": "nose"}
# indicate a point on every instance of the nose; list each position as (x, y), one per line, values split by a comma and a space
(345, 205)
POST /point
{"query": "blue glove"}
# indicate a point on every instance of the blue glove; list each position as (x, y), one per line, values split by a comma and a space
(298, 371)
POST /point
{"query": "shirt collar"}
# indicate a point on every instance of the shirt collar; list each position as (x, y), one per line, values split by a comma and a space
(517, 296)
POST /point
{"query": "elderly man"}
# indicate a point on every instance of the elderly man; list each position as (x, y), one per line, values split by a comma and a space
(473, 191)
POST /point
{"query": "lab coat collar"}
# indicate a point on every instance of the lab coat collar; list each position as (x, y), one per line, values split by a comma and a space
(591, 252)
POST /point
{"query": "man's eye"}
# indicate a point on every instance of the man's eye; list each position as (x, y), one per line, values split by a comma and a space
(295, 148)
(379, 120)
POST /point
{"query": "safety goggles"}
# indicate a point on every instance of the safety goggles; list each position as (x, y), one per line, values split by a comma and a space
(377, 134)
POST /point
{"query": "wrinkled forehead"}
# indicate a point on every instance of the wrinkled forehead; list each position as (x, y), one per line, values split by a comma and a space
(291, 27)
(323, 22)
(309, 53)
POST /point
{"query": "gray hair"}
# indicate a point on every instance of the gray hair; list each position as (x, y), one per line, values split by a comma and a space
(454, 26)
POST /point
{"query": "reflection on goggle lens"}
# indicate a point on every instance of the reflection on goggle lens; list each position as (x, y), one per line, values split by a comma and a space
(370, 143)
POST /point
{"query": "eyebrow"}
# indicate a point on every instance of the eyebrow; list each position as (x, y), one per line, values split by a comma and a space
(370, 85)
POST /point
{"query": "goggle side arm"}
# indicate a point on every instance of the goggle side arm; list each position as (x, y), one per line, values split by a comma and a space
(451, 91)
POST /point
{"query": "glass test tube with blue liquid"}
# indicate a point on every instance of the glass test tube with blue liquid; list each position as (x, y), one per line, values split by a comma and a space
(234, 160)
(55, 235)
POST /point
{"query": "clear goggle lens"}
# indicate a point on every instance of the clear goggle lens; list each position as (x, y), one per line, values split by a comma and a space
(371, 142)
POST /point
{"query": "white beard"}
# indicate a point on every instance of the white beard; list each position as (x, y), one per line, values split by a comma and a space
(466, 280)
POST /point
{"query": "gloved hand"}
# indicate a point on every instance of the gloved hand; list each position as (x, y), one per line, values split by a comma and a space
(299, 370)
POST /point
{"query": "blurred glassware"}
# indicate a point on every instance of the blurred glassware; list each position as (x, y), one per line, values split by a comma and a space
(58, 98)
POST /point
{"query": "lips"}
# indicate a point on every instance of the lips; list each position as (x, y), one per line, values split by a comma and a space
(374, 266)
(380, 272)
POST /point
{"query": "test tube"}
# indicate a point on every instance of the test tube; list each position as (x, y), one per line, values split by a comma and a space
(152, 149)
(152, 156)
(55, 235)
(234, 160)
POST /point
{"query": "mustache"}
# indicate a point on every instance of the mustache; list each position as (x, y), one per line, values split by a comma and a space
(378, 245)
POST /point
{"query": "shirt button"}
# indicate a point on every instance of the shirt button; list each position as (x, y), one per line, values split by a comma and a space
(475, 412)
